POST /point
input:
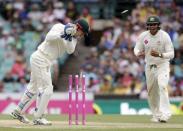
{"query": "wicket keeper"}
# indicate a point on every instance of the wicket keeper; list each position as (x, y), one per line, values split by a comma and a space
(60, 39)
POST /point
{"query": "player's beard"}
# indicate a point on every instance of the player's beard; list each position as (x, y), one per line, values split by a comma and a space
(153, 31)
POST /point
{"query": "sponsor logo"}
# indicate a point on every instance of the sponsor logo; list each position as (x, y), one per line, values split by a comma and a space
(125, 109)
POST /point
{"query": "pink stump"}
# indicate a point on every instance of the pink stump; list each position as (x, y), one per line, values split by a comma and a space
(70, 99)
(76, 100)
(83, 100)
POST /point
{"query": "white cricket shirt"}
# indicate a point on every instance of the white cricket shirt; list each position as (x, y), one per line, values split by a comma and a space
(54, 46)
(160, 42)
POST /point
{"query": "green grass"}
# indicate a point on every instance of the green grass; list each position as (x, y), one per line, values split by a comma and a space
(96, 123)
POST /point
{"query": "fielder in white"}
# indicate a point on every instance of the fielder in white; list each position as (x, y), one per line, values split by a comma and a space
(60, 39)
(156, 46)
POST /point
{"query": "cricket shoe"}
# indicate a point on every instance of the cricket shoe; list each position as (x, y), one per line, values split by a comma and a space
(42, 121)
(163, 119)
(16, 115)
(155, 120)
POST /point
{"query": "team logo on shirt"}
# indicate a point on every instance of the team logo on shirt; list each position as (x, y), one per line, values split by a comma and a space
(145, 42)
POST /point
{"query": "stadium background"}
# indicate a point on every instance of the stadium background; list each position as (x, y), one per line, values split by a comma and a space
(115, 77)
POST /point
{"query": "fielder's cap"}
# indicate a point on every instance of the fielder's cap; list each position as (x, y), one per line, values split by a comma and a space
(153, 20)
(83, 24)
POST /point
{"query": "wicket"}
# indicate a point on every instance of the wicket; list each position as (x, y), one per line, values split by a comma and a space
(79, 82)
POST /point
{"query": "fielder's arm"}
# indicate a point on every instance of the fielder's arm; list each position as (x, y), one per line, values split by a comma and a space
(169, 49)
(139, 47)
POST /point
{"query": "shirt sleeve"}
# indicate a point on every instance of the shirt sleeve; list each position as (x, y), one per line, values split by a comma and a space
(139, 45)
(169, 49)
(70, 45)
(55, 33)
(54, 36)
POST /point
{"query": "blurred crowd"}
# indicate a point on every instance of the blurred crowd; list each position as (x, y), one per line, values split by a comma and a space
(112, 68)
(23, 26)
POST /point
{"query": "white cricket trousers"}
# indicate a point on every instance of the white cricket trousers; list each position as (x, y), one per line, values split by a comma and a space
(40, 78)
(40, 73)
(157, 77)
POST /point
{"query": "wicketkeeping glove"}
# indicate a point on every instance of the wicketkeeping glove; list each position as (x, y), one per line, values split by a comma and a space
(70, 29)
(67, 37)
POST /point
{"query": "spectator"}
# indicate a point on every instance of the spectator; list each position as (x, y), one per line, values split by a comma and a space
(48, 15)
(92, 86)
(106, 41)
(8, 78)
(35, 13)
(87, 16)
(106, 84)
(71, 11)
(18, 68)
(59, 11)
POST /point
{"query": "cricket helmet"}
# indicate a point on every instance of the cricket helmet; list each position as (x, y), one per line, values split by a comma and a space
(83, 25)
(153, 20)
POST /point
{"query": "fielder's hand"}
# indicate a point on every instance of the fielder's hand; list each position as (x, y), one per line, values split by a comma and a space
(141, 54)
(156, 54)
